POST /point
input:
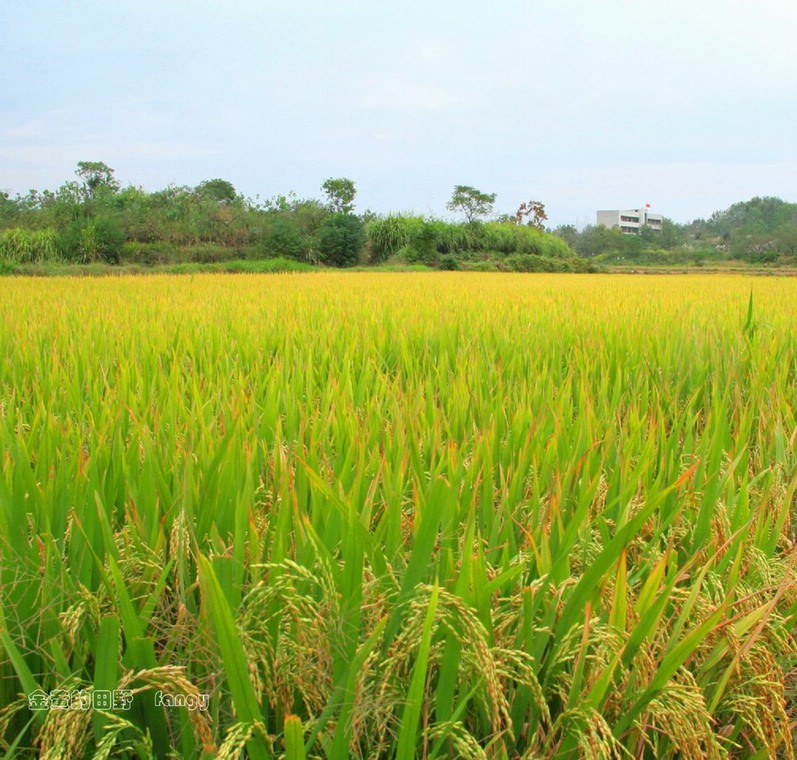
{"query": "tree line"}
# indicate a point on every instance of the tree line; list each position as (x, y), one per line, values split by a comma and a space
(762, 230)
(92, 218)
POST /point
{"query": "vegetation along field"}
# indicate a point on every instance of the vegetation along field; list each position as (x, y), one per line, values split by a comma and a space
(380, 515)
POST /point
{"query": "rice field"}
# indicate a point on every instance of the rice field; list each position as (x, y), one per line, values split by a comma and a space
(365, 515)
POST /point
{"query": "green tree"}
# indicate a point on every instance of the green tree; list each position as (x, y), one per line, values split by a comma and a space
(97, 178)
(423, 249)
(341, 239)
(594, 240)
(672, 234)
(471, 202)
(285, 239)
(57, 209)
(757, 215)
(648, 237)
(786, 240)
(9, 210)
(340, 194)
(219, 190)
(569, 234)
(97, 239)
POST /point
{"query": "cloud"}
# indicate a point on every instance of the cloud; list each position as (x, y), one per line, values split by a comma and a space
(401, 94)
(22, 131)
(44, 153)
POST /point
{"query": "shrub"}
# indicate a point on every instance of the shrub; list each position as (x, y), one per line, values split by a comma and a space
(285, 239)
(763, 257)
(480, 266)
(526, 262)
(532, 262)
(208, 253)
(698, 255)
(423, 249)
(151, 254)
(267, 266)
(240, 266)
(97, 239)
(341, 239)
(555, 247)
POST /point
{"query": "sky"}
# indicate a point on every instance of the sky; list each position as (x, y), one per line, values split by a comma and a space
(689, 105)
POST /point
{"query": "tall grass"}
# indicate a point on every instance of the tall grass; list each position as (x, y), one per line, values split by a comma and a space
(419, 237)
(388, 235)
(397, 515)
(21, 246)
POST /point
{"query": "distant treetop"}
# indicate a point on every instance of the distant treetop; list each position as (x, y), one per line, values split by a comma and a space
(471, 202)
(220, 190)
(96, 177)
(340, 194)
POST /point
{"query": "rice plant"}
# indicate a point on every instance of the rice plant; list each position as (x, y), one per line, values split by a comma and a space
(379, 515)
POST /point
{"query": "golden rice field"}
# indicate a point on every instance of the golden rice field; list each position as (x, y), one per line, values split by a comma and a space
(374, 515)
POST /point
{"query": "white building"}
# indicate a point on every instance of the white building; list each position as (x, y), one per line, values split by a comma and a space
(630, 221)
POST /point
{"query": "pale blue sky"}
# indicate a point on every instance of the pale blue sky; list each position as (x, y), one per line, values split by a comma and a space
(689, 105)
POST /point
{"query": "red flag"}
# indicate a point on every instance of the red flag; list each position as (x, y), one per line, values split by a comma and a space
(647, 205)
